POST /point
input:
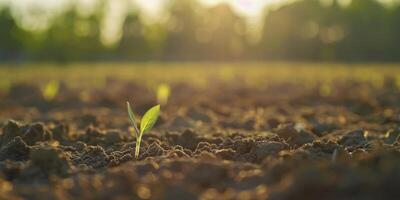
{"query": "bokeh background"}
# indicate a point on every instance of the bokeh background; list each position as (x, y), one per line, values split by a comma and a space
(200, 30)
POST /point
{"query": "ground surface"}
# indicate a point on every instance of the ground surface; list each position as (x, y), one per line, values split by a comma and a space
(280, 131)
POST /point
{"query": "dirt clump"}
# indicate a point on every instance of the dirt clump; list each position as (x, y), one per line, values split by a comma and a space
(11, 130)
(294, 136)
(266, 148)
(36, 132)
(16, 150)
(353, 138)
(50, 160)
(93, 157)
(31, 133)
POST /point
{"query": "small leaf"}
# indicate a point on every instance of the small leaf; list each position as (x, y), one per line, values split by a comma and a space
(132, 118)
(149, 119)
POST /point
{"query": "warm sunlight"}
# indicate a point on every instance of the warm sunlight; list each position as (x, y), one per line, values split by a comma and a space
(152, 11)
(199, 99)
(245, 7)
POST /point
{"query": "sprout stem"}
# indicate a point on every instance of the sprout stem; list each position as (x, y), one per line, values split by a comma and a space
(138, 140)
(334, 156)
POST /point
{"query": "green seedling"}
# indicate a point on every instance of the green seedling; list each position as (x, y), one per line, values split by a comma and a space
(146, 124)
(163, 92)
(50, 90)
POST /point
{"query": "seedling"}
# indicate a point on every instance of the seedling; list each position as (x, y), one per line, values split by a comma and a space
(50, 90)
(146, 124)
(163, 92)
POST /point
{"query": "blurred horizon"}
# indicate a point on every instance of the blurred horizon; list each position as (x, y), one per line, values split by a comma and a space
(200, 30)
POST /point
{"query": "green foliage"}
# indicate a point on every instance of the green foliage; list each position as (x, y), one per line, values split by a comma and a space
(14, 40)
(149, 119)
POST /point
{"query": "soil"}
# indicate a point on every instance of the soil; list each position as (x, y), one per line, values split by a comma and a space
(229, 141)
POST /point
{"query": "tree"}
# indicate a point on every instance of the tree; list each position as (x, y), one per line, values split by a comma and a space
(12, 45)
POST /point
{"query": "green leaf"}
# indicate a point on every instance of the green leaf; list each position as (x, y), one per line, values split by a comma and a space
(149, 119)
(132, 118)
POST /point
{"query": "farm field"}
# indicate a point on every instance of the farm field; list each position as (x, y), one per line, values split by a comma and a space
(274, 131)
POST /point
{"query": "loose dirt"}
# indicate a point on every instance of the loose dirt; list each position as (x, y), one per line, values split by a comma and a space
(278, 142)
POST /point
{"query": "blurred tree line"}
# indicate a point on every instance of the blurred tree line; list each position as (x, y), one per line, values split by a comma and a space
(316, 30)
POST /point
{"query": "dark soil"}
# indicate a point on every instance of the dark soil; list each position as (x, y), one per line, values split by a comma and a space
(282, 141)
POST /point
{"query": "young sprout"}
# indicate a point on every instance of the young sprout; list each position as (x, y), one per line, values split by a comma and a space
(146, 124)
(50, 90)
(163, 92)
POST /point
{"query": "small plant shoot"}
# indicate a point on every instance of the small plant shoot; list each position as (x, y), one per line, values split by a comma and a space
(50, 90)
(149, 119)
(163, 92)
